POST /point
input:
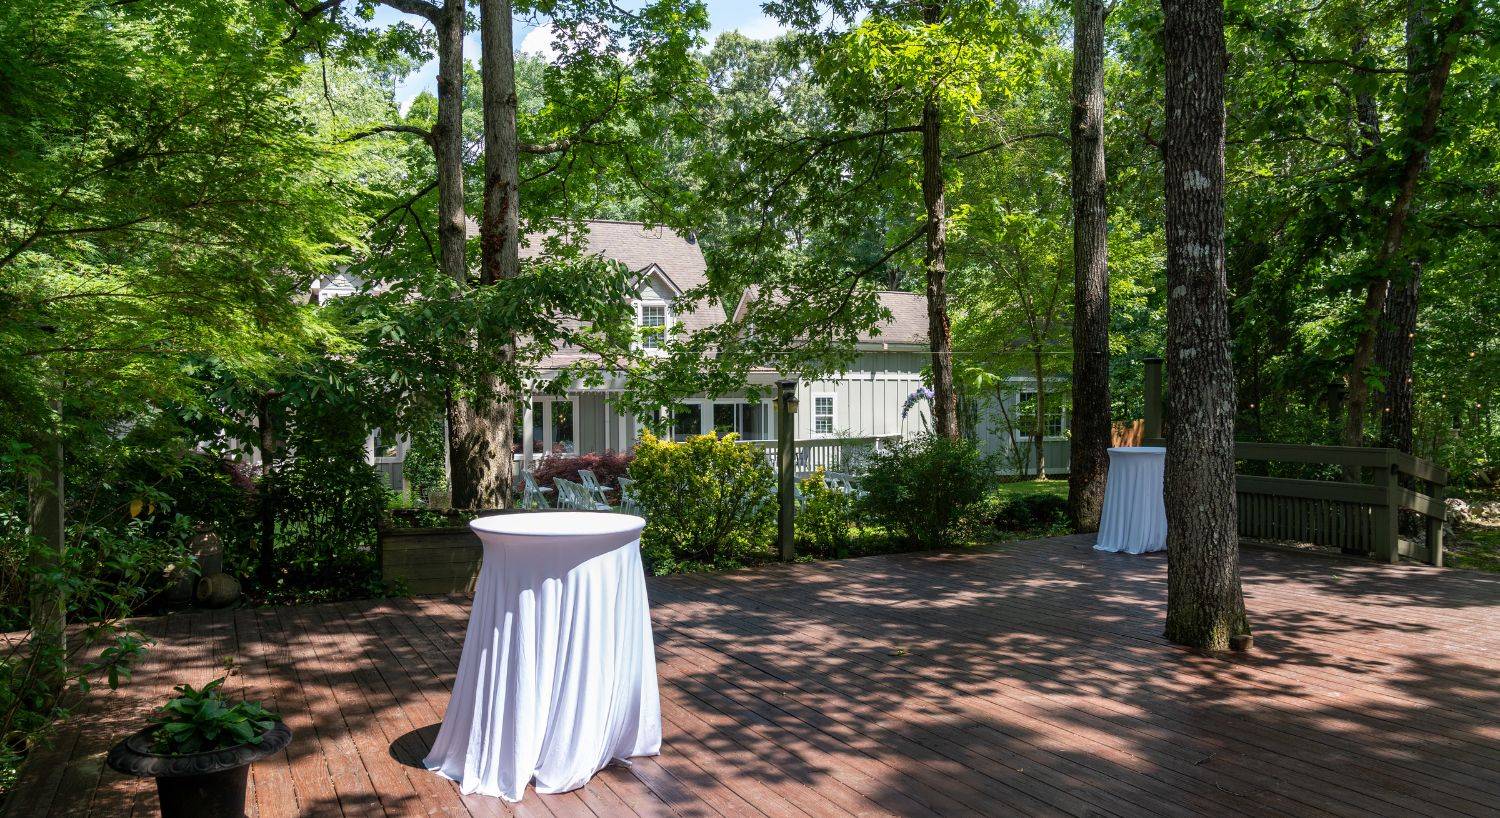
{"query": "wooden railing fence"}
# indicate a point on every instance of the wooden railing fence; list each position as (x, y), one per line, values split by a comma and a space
(1358, 512)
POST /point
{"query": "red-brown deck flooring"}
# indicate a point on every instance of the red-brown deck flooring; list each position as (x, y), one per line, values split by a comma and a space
(1028, 678)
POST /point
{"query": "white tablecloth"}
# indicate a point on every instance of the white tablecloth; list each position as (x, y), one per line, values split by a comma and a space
(558, 672)
(1134, 518)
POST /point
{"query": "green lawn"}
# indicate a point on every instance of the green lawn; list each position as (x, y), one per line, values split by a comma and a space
(1022, 488)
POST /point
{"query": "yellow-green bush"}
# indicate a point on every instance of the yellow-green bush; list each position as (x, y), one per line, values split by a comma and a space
(824, 519)
(708, 502)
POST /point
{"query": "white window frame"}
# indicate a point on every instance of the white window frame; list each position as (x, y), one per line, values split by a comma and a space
(1024, 435)
(761, 406)
(666, 327)
(833, 415)
(545, 419)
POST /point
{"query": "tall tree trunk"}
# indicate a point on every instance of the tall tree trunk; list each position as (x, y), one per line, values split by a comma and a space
(935, 260)
(1394, 349)
(464, 459)
(1089, 460)
(488, 457)
(1205, 604)
(48, 599)
(1039, 428)
(1394, 353)
(448, 141)
(1395, 229)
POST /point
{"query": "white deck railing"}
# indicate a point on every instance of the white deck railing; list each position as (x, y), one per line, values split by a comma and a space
(828, 453)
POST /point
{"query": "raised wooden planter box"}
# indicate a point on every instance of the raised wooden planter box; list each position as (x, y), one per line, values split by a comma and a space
(436, 560)
(431, 560)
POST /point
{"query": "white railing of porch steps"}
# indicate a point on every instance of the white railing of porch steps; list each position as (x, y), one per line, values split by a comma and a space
(831, 453)
(828, 453)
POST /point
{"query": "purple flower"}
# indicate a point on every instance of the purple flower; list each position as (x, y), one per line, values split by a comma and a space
(922, 393)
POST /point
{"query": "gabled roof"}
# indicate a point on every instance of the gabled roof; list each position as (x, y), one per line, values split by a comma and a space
(907, 324)
(677, 259)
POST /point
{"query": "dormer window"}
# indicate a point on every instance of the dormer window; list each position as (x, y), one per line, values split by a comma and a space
(653, 321)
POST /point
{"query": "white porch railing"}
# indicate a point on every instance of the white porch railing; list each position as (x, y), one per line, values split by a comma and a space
(828, 453)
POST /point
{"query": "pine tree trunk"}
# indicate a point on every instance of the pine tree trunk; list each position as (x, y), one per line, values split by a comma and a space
(1205, 604)
(935, 261)
(1089, 461)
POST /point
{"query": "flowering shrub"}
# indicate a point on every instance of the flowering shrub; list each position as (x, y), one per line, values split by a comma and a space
(919, 488)
(609, 467)
(708, 502)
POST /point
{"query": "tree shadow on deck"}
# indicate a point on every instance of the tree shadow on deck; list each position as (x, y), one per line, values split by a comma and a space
(1049, 659)
(1025, 678)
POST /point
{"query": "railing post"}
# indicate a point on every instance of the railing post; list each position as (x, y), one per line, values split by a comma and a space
(1435, 526)
(786, 465)
(1152, 431)
(1385, 531)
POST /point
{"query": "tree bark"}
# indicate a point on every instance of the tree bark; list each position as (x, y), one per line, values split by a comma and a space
(1089, 461)
(1395, 228)
(935, 260)
(1205, 603)
(448, 141)
(1394, 353)
(487, 454)
(1394, 349)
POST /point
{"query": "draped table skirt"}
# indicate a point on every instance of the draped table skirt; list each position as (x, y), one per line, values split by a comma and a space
(1134, 519)
(558, 672)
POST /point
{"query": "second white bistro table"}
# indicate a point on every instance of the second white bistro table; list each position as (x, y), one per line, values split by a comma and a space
(1134, 519)
(558, 672)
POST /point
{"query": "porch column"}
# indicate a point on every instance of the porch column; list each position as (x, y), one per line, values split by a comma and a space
(527, 423)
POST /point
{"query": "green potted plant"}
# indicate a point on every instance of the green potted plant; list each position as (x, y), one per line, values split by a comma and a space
(199, 748)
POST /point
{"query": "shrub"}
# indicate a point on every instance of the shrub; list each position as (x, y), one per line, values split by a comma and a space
(328, 503)
(708, 502)
(919, 488)
(609, 467)
(1032, 512)
(824, 519)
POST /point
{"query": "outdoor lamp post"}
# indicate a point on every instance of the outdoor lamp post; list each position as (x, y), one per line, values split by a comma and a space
(786, 487)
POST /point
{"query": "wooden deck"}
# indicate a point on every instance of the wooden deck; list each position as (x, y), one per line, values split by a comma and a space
(1026, 679)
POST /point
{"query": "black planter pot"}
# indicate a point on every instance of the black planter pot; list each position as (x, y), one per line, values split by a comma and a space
(201, 785)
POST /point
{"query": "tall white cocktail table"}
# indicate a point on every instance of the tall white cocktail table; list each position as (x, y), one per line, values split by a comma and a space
(558, 672)
(1134, 519)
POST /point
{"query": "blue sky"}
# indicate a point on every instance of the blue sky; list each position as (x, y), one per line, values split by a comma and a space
(724, 15)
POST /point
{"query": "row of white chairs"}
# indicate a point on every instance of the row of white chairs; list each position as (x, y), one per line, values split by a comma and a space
(588, 494)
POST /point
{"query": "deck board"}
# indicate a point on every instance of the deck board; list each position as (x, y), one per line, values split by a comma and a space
(1025, 678)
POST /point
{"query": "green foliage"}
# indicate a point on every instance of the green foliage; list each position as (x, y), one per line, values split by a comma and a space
(423, 470)
(919, 487)
(825, 520)
(200, 720)
(1032, 513)
(708, 502)
(328, 506)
